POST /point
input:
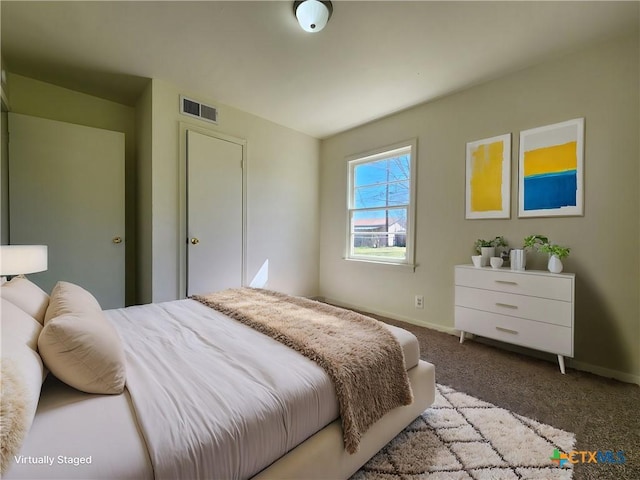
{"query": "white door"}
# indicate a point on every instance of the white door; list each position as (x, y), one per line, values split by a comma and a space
(66, 191)
(214, 213)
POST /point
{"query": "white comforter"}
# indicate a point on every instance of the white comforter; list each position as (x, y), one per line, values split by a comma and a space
(212, 396)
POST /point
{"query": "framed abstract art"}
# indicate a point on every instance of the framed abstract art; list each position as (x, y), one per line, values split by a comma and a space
(488, 178)
(551, 170)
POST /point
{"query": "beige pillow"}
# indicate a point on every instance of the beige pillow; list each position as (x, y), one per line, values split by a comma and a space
(27, 296)
(18, 327)
(21, 379)
(84, 351)
(69, 298)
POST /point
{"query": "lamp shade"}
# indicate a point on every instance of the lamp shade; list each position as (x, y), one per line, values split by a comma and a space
(22, 259)
(312, 15)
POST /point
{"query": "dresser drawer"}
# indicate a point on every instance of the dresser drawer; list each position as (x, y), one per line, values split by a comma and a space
(522, 283)
(518, 331)
(555, 312)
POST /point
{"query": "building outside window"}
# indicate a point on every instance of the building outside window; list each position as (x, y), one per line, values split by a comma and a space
(381, 208)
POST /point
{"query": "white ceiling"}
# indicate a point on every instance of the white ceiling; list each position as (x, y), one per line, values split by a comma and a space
(372, 59)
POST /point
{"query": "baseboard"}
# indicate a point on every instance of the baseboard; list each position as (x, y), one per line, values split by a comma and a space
(571, 363)
(604, 372)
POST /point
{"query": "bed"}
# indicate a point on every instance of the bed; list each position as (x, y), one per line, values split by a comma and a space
(213, 370)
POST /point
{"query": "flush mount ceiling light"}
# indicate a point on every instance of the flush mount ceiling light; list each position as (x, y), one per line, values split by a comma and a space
(312, 15)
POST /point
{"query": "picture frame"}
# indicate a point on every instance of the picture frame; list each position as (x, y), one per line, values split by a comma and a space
(551, 170)
(488, 178)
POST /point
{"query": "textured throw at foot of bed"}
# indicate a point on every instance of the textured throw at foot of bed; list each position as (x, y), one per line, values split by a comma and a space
(362, 358)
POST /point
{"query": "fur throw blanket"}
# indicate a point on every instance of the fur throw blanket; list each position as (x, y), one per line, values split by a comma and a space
(13, 413)
(362, 358)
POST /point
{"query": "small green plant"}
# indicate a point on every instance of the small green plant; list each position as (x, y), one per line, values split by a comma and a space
(482, 243)
(500, 242)
(557, 250)
(534, 241)
(496, 242)
(542, 244)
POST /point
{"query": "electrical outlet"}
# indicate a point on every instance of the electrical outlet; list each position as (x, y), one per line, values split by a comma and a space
(419, 301)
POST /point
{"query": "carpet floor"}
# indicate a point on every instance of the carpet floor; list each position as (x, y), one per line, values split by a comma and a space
(463, 438)
(603, 413)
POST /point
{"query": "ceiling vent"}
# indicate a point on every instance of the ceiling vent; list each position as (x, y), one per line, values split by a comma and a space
(198, 110)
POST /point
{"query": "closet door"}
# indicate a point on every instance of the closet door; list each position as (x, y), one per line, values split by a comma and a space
(215, 213)
(66, 191)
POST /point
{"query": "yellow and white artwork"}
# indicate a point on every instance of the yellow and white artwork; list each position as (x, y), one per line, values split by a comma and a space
(488, 175)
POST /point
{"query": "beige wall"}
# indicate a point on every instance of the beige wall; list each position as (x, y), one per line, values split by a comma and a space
(4, 163)
(4, 179)
(600, 84)
(283, 171)
(144, 230)
(282, 196)
(40, 99)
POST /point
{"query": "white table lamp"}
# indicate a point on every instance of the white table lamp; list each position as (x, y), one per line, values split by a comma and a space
(22, 259)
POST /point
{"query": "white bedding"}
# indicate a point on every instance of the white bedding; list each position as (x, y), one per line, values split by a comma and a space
(271, 410)
(266, 398)
(256, 411)
(71, 426)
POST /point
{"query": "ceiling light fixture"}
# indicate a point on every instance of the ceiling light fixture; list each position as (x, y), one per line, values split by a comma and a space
(312, 15)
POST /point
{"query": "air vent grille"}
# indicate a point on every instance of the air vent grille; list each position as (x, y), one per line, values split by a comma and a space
(209, 113)
(199, 110)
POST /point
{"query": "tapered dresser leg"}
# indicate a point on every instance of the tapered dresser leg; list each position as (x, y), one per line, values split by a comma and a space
(561, 363)
(461, 337)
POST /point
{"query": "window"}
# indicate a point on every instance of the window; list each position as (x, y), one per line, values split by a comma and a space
(381, 205)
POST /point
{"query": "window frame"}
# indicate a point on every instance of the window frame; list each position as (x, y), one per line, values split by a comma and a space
(370, 156)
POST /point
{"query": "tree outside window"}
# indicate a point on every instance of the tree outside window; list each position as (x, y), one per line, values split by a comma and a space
(380, 205)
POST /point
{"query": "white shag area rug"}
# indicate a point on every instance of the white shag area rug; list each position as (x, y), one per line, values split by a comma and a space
(461, 437)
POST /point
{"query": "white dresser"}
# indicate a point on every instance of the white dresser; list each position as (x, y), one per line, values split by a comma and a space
(530, 308)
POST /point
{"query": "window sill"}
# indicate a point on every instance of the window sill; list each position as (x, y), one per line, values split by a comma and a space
(406, 266)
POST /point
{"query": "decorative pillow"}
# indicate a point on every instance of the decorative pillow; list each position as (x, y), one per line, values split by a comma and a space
(69, 298)
(22, 376)
(84, 351)
(26, 295)
(18, 328)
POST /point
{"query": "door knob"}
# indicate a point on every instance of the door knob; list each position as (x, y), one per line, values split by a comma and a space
(194, 241)
(117, 240)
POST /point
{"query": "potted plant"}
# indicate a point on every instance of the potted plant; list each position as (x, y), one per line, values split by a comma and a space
(533, 241)
(502, 248)
(480, 243)
(518, 256)
(487, 248)
(500, 242)
(556, 254)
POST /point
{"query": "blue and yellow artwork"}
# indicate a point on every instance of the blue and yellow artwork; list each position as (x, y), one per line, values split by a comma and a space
(550, 177)
(551, 170)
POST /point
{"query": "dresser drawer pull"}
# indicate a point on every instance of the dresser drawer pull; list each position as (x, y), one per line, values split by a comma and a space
(506, 330)
(506, 305)
(506, 282)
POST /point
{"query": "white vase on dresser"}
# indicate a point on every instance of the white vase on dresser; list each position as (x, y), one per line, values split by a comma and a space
(555, 264)
(531, 308)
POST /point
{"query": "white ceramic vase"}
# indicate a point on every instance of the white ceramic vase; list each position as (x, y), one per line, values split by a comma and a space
(555, 264)
(518, 259)
(487, 253)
